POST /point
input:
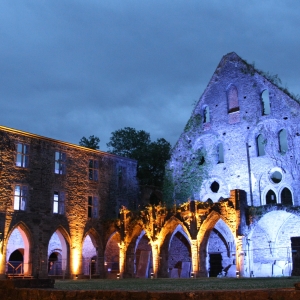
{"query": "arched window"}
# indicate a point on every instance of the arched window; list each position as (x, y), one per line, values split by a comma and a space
(232, 98)
(206, 115)
(265, 99)
(220, 153)
(286, 197)
(283, 146)
(271, 197)
(261, 141)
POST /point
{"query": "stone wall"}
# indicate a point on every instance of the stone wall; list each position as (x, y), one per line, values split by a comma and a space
(73, 181)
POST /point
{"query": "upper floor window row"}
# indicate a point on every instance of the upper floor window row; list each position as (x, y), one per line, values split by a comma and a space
(22, 159)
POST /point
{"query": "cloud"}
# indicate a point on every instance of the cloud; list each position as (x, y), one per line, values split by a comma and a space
(75, 68)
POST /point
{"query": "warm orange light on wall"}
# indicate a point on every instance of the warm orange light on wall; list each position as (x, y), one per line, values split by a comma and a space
(75, 261)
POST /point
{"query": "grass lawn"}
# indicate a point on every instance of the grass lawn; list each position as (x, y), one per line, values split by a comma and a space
(164, 284)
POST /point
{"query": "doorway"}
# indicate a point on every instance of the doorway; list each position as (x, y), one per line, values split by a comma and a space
(215, 264)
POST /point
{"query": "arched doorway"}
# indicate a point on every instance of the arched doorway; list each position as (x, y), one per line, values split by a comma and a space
(57, 254)
(143, 257)
(15, 262)
(17, 253)
(111, 255)
(89, 256)
(55, 264)
(179, 258)
(286, 197)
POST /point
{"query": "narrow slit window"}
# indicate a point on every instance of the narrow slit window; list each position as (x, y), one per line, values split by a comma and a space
(220, 153)
(206, 115)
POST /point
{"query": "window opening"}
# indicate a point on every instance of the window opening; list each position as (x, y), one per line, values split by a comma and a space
(93, 207)
(220, 153)
(20, 197)
(265, 98)
(232, 98)
(271, 197)
(286, 197)
(283, 146)
(215, 187)
(60, 163)
(93, 169)
(22, 155)
(206, 115)
(59, 202)
(261, 142)
(276, 177)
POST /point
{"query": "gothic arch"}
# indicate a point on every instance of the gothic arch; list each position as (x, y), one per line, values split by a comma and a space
(27, 244)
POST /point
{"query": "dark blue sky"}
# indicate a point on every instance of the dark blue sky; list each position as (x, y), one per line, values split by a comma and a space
(75, 68)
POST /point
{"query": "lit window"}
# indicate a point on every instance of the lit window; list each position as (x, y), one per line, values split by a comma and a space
(93, 169)
(60, 163)
(22, 155)
(59, 202)
(20, 197)
(92, 207)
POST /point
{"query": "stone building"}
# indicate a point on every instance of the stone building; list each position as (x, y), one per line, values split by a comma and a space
(233, 181)
(54, 200)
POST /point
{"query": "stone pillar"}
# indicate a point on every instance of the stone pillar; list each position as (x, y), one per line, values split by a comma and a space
(76, 261)
(195, 257)
(2, 260)
(155, 257)
(122, 258)
(240, 255)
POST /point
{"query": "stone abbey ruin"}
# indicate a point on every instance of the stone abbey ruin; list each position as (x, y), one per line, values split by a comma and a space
(231, 194)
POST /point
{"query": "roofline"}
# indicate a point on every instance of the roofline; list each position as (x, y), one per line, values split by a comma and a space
(36, 136)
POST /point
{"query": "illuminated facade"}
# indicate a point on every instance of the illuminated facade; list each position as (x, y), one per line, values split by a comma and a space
(54, 199)
(233, 181)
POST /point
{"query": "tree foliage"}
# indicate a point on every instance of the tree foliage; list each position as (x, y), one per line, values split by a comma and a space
(151, 156)
(92, 142)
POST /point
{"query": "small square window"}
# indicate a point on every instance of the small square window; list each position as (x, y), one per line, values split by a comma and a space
(22, 155)
(93, 169)
(20, 197)
(60, 163)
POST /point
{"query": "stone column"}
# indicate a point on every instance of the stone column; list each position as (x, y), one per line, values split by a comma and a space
(76, 261)
(155, 257)
(240, 255)
(195, 257)
(2, 260)
(122, 258)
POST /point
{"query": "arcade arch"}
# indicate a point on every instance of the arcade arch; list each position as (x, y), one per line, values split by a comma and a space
(18, 251)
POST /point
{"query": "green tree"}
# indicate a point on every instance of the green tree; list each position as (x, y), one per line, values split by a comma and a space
(92, 142)
(151, 156)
